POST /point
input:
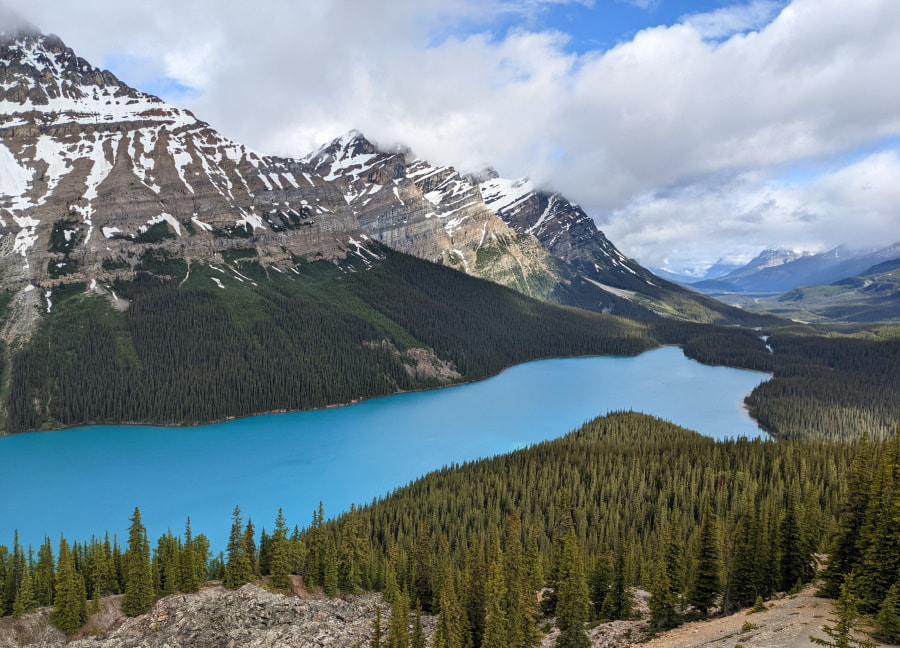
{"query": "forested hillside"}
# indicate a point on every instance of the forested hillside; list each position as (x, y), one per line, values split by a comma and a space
(173, 343)
(627, 500)
(187, 350)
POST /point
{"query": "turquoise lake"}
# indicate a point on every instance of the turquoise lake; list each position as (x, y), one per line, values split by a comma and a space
(88, 480)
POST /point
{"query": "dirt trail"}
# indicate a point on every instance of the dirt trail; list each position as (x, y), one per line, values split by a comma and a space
(787, 623)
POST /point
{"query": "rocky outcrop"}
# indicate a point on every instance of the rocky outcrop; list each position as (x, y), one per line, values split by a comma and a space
(432, 212)
(249, 617)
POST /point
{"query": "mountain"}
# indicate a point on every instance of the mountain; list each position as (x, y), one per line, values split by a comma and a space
(871, 296)
(777, 271)
(257, 283)
(97, 174)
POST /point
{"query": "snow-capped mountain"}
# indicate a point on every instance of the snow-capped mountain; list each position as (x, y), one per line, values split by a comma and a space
(90, 166)
(94, 175)
(775, 271)
(564, 229)
(433, 213)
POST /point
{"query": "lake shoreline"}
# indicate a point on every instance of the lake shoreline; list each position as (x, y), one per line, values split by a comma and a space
(356, 401)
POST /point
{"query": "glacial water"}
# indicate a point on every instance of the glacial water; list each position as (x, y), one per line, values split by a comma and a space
(88, 480)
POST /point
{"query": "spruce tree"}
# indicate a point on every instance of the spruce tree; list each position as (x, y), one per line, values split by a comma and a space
(573, 602)
(450, 631)
(330, 568)
(795, 564)
(845, 554)
(377, 630)
(188, 578)
(887, 621)
(352, 554)
(240, 564)
(139, 590)
(496, 630)
(398, 628)
(847, 628)
(707, 584)
(879, 540)
(70, 600)
(521, 596)
(473, 595)
(44, 574)
(418, 634)
(599, 584)
(25, 600)
(663, 599)
(280, 554)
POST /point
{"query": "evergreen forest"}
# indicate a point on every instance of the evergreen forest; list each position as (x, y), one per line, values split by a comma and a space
(626, 501)
(200, 343)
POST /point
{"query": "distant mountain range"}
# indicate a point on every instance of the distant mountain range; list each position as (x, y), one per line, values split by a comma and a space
(872, 295)
(777, 271)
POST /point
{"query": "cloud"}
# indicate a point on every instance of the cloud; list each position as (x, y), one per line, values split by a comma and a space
(855, 205)
(734, 19)
(700, 115)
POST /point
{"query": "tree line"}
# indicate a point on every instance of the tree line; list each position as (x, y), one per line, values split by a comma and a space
(626, 501)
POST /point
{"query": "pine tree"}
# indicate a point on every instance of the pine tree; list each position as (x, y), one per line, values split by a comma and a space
(843, 634)
(188, 578)
(25, 600)
(70, 600)
(139, 590)
(663, 599)
(418, 635)
(496, 631)
(398, 628)
(451, 624)
(707, 583)
(795, 564)
(44, 579)
(280, 554)
(377, 630)
(573, 602)
(887, 622)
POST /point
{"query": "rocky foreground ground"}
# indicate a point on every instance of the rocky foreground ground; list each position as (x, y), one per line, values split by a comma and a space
(252, 617)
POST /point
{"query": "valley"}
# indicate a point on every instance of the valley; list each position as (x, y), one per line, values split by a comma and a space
(521, 436)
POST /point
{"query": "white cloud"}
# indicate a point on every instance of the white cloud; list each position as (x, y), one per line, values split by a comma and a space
(857, 205)
(734, 19)
(697, 116)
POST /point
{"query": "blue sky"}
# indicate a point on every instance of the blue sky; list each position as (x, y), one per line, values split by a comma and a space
(602, 24)
(689, 131)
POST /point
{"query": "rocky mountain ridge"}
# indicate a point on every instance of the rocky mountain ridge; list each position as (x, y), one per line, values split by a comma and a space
(96, 176)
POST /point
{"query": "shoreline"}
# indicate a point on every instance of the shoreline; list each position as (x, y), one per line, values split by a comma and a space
(769, 376)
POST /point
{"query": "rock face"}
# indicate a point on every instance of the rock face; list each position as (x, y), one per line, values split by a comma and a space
(433, 213)
(247, 618)
(565, 230)
(95, 175)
